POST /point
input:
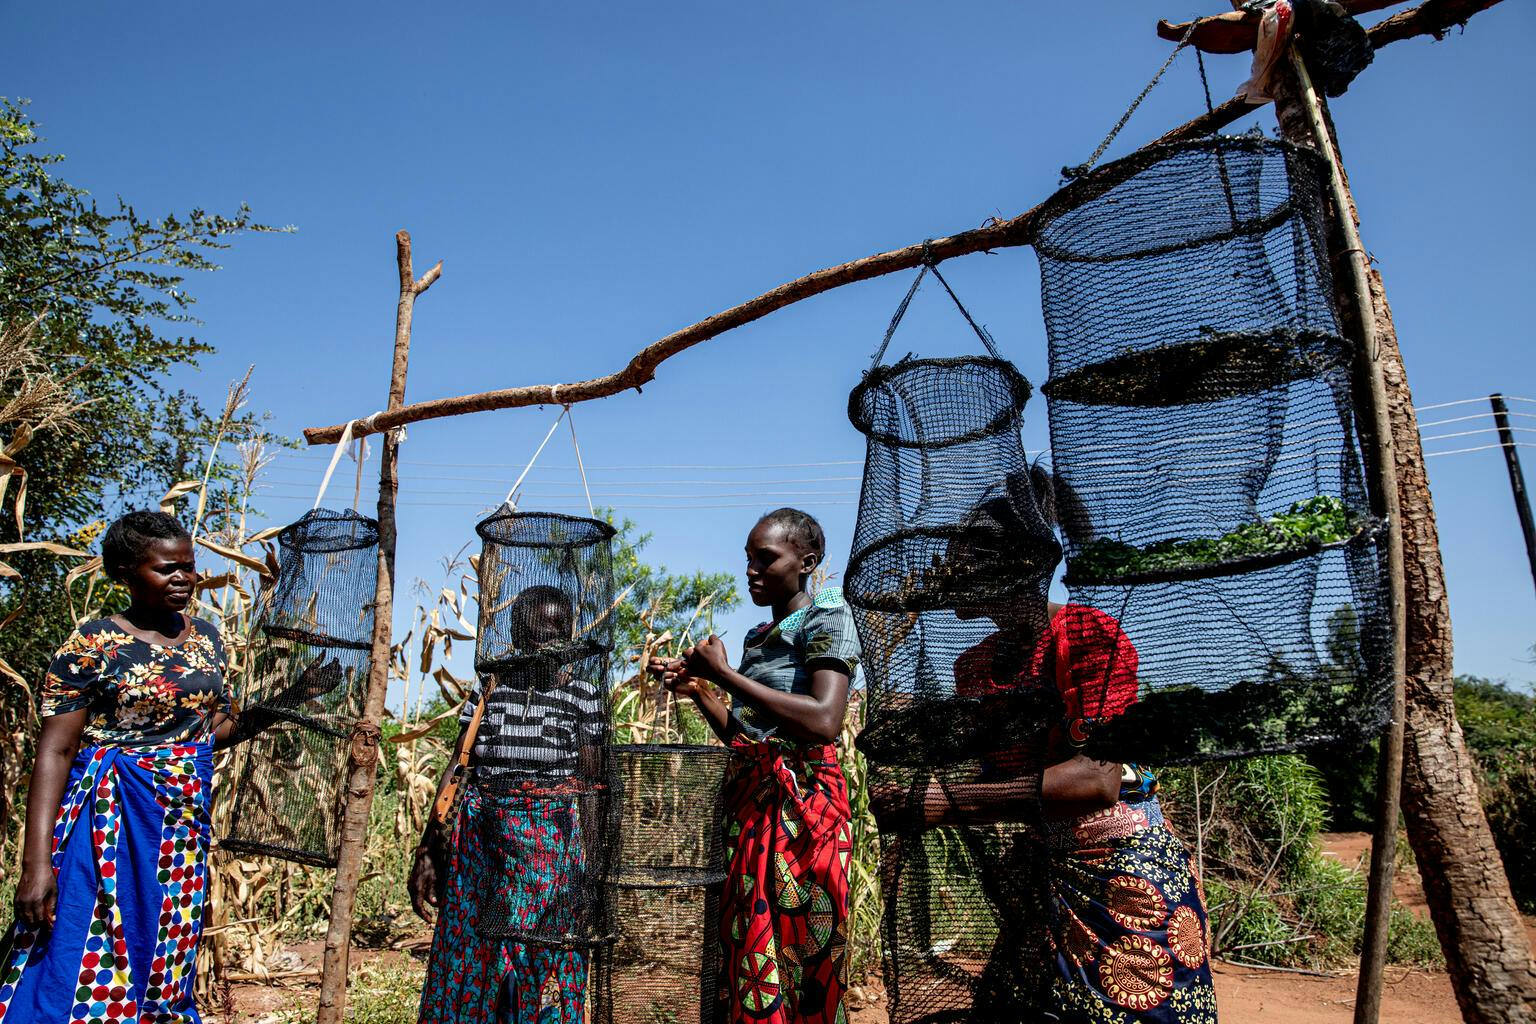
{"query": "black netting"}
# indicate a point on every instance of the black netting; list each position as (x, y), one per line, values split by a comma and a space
(952, 558)
(543, 768)
(948, 532)
(308, 678)
(664, 964)
(546, 846)
(1335, 46)
(532, 554)
(671, 829)
(1208, 473)
(964, 930)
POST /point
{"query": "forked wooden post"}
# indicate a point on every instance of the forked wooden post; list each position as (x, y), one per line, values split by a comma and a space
(363, 758)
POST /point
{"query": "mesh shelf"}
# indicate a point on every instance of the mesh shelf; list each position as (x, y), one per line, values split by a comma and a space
(664, 965)
(1204, 443)
(529, 559)
(670, 826)
(948, 533)
(964, 928)
(548, 851)
(669, 843)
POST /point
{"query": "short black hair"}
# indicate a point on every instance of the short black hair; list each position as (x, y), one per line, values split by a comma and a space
(128, 539)
(802, 528)
(526, 604)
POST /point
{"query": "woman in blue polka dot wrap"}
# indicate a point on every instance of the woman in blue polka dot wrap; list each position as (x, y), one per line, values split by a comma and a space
(109, 906)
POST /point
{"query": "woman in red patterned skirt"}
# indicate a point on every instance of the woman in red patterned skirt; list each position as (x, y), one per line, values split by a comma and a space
(784, 912)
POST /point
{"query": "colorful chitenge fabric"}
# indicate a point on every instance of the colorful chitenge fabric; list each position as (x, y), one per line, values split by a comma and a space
(130, 843)
(1127, 922)
(784, 912)
(130, 852)
(528, 846)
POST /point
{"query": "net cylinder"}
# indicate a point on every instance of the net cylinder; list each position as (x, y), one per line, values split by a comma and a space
(542, 770)
(1209, 481)
(948, 533)
(529, 562)
(669, 864)
(308, 672)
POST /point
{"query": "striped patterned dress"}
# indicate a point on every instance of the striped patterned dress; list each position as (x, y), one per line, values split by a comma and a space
(517, 834)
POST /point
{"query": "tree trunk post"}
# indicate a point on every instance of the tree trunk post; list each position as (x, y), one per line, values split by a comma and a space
(1486, 949)
(363, 758)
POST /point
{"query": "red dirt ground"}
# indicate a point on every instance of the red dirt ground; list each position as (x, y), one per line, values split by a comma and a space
(1244, 995)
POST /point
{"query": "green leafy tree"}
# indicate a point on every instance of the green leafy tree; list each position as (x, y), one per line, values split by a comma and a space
(115, 321)
(659, 601)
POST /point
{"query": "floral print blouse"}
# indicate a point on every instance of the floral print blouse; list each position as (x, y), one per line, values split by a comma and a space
(138, 693)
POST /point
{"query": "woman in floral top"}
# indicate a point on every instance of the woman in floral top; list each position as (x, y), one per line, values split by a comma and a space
(109, 906)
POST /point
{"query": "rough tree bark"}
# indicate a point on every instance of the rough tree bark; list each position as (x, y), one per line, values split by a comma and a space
(1486, 949)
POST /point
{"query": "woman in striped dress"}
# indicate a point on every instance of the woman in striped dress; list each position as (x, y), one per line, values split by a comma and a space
(504, 873)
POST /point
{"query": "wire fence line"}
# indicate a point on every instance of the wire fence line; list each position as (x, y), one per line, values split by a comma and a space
(1479, 448)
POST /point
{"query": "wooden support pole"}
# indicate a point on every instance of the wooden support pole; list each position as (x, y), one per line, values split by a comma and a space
(1487, 952)
(1516, 478)
(1386, 503)
(363, 758)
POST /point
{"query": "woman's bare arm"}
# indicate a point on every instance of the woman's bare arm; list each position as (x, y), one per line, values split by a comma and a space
(1070, 789)
(36, 891)
(816, 717)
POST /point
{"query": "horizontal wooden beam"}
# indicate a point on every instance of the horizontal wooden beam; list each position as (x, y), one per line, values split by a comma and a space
(1433, 17)
(1236, 31)
(641, 369)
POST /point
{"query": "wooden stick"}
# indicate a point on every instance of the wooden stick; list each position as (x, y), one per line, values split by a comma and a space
(641, 369)
(448, 800)
(1383, 465)
(1431, 18)
(363, 758)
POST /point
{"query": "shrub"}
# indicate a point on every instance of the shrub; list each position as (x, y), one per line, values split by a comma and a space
(1273, 897)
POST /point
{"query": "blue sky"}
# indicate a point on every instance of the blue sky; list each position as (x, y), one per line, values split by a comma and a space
(595, 176)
